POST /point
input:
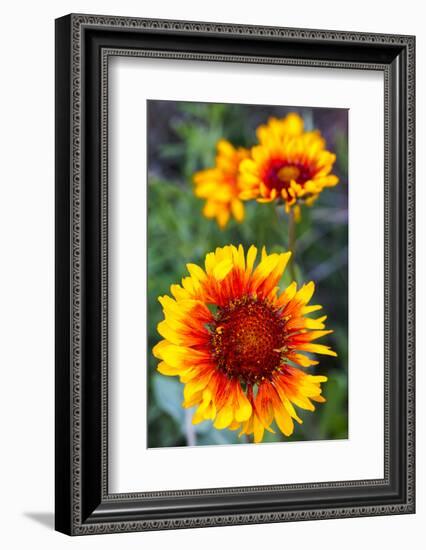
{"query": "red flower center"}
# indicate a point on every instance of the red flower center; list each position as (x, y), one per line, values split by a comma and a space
(248, 339)
(278, 174)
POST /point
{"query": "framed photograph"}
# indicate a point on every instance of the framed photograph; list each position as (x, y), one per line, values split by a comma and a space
(234, 274)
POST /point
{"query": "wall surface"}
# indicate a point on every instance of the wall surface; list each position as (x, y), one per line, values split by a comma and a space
(27, 244)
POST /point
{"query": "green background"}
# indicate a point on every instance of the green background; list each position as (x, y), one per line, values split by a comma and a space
(182, 139)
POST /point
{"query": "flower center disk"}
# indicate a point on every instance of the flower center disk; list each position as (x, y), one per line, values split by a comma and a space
(248, 339)
(278, 175)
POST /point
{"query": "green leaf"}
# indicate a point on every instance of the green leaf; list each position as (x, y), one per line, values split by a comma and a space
(168, 395)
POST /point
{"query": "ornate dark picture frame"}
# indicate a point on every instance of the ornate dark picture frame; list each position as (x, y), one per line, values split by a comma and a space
(84, 44)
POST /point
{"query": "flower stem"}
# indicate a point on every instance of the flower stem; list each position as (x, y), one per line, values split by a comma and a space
(191, 438)
(292, 243)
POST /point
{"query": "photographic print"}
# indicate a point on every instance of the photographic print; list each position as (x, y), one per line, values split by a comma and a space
(247, 273)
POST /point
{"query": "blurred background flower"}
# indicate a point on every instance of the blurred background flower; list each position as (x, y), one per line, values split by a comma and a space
(289, 165)
(220, 185)
(182, 139)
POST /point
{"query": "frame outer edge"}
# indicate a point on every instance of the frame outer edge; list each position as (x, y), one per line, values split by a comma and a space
(63, 494)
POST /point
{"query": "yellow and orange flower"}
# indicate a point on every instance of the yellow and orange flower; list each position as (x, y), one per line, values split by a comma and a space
(288, 164)
(238, 343)
(219, 185)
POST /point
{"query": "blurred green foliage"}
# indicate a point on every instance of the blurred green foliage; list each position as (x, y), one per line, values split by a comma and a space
(182, 139)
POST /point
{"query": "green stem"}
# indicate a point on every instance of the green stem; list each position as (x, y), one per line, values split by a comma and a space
(191, 438)
(292, 243)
